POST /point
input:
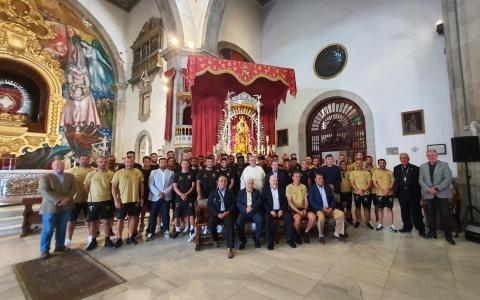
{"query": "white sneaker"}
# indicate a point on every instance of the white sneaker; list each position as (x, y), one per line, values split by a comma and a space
(379, 227)
(187, 229)
(68, 243)
(205, 230)
(219, 228)
(253, 226)
(89, 239)
(191, 237)
(166, 234)
(393, 228)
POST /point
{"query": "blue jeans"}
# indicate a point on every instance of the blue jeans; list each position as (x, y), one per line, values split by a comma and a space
(163, 207)
(50, 222)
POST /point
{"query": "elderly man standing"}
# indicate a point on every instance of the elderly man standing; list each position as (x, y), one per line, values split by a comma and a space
(250, 206)
(255, 172)
(408, 191)
(57, 190)
(435, 180)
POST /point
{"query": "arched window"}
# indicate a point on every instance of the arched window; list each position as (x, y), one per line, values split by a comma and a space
(143, 145)
(337, 124)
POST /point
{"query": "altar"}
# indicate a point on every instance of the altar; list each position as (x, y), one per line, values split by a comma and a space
(234, 104)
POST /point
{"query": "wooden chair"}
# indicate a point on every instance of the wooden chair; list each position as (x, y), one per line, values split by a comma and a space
(30, 216)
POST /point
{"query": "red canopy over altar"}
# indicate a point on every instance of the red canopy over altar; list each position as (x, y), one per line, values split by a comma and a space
(209, 79)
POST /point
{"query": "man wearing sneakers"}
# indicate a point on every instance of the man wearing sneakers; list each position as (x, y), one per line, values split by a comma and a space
(161, 185)
(100, 203)
(127, 191)
(361, 181)
(184, 185)
(384, 181)
(80, 198)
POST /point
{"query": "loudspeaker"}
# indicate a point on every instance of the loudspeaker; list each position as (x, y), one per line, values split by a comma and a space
(465, 149)
(472, 233)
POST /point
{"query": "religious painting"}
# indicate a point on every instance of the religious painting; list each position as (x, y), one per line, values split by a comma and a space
(440, 148)
(330, 61)
(282, 138)
(87, 117)
(413, 122)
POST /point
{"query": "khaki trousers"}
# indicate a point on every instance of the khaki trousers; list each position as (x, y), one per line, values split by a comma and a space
(339, 217)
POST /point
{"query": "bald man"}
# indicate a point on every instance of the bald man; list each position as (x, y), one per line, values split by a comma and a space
(57, 189)
(408, 191)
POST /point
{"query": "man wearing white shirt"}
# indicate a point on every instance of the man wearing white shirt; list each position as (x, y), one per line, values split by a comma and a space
(254, 172)
(275, 204)
(161, 185)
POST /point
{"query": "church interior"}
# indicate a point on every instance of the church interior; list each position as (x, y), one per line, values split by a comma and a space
(127, 97)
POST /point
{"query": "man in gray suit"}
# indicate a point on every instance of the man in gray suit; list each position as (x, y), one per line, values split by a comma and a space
(435, 179)
(57, 189)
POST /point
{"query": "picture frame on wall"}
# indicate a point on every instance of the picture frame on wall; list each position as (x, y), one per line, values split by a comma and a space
(440, 148)
(282, 137)
(413, 122)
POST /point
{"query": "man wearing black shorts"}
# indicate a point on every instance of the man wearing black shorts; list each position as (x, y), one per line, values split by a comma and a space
(183, 185)
(127, 191)
(100, 203)
(147, 203)
(206, 183)
(361, 181)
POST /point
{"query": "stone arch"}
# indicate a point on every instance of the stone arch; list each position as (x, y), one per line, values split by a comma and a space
(367, 112)
(211, 28)
(171, 20)
(228, 45)
(140, 136)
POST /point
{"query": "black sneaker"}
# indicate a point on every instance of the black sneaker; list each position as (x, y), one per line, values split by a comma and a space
(92, 245)
(406, 230)
(451, 241)
(256, 243)
(109, 243)
(175, 234)
(306, 239)
(118, 243)
(370, 226)
(292, 244)
(242, 245)
(350, 221)
(131, 241)
(429, 236)
(298, 239)
(356, 224)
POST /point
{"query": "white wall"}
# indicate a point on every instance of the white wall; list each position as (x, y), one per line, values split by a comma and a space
(241, 25)
(396, 63)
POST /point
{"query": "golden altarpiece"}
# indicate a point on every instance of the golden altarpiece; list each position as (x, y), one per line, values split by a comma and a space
(28, 121)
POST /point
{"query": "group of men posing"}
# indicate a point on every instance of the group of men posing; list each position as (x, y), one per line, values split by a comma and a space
(261, 192)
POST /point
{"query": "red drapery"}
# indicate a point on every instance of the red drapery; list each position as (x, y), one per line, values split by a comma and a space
(170, 75)
(210, 79)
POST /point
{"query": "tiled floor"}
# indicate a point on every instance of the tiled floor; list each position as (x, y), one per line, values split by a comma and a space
(372, 265)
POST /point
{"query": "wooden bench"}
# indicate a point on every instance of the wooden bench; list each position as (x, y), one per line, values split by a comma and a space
(30, 217)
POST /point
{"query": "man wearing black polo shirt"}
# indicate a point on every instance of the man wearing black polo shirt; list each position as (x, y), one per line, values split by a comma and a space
(227, 172)
(183, 185)
(333, 177)
(147, 203)
(206, 179)
(237, 171)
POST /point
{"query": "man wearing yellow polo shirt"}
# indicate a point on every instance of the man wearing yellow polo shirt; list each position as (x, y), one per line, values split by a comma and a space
(127, 191)
(98, 187)
(384, 180)
(369, 166)
(80, 198)
(358, 156)
(361, 181)
(298, 202)
(346, 192)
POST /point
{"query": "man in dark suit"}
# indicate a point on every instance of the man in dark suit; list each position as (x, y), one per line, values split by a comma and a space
(322, 203)
(282, 176)
(221, 206)
(275, 204)
(408, 191)
(250, 206)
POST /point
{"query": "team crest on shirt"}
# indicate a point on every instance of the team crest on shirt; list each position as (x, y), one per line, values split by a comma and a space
(213, 175)
(190, 204)
(189, 177)
(180, 178)
(205, 175)
(228, 174)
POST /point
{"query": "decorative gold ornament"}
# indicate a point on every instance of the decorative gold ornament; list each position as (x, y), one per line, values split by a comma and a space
(21, 29)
